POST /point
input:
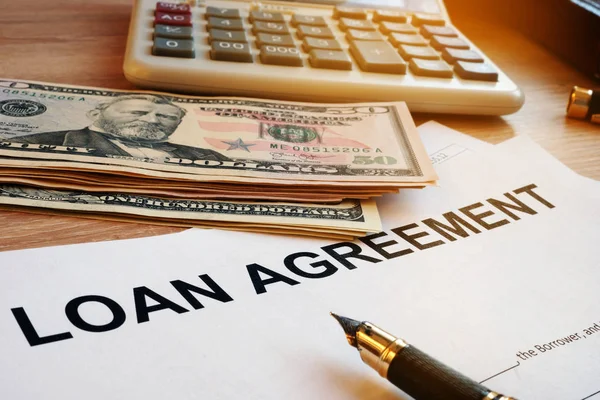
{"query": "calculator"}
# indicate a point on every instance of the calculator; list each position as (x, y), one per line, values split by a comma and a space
(327, 52)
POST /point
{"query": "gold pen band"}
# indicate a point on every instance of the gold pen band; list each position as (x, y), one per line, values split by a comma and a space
(377, 348)
(496, 396)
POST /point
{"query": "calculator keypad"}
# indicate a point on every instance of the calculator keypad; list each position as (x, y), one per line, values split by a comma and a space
(380, 41)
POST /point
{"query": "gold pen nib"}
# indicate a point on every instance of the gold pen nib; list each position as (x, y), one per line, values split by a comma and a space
(350, 326)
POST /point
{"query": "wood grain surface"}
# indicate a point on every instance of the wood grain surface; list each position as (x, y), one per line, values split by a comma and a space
(83, 43)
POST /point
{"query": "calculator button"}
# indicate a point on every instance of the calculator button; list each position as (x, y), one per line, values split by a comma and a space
(377, 57)
(387, 15)
(230, 13)
(227, 24)
(173, 48)
(308, 20)
(430, 30)
(173, 32)
(476, 71)
(257, 15)
(454, 55)
(226, 36)
(173, 19)
(269, 27)
(423, 52)
(389, 27)
(230, 51)
(280, 55)
(349, 12)
(315, 43)
(277, 40)
(433, 68)
(329, 59)
(439, 42)
(428, 19)
(174, 8)
(314, 31)
(353, 34)
(414, 40)
(346, 23)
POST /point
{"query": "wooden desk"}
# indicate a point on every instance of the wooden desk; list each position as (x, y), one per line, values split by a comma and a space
(82, 43)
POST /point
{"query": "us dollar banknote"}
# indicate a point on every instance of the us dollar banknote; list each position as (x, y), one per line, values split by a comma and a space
(350, 217)
(233, 139)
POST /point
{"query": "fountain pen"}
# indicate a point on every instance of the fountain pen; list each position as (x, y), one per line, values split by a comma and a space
(408, 368)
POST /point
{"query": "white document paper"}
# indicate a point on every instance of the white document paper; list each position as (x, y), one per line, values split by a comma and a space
(483, 304)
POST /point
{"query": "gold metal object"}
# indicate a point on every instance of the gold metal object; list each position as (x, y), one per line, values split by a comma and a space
(579, 102)
(377, 348)
(494, 395)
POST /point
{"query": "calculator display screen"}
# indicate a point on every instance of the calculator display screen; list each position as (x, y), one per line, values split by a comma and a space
(426, 6)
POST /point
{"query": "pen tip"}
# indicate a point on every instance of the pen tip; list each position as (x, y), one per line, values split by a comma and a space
(350, 326)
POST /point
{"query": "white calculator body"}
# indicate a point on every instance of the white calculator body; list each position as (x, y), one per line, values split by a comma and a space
(402, 50)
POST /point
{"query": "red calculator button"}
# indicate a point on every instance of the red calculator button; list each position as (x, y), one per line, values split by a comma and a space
(173, 19)
(174, 8)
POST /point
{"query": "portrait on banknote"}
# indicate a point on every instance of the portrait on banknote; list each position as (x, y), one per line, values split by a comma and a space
(137, 125)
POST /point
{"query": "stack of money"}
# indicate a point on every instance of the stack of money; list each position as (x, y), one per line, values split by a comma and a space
(232, 163)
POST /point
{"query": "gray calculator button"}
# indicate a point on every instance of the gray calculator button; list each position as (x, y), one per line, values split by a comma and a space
(439, 42)
(226, 36)
(389, 27)
(353, 34)
(223, 23)
(329, 59)
(230, 51)
(422, 52)
(414, 40)
(316, 43)
(430, 30)
(308, 20)
(281, 55)
(231, 13)
(377, 57)
(269, 27)
(173, 47)
(173, 32)
(476, 71)
(266, 16)
(453, 55)
(433, 68)
(363, 25)
(314, 31)
(277, 40)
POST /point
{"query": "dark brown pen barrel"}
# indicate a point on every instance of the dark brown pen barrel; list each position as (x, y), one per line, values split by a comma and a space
(425, 378)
